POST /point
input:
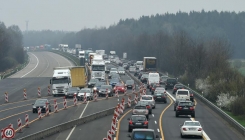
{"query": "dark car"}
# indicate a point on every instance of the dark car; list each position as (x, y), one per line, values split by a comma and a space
(163, 79)
(129, 84)
(104, 89)
(92, 82)
(153, 88)
(178, 86)
(137, 121)
(143, 134)
(144, 78)
(170, 83)
(185, 108)
(160, 97)
(71, 91)
(137, 73)
(98, 85)
(42, 104)
(177, 102)
(114, 81)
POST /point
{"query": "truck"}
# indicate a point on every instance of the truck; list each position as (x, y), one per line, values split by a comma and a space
(60, 81)
(112, 52)
(150, 64)
(63, 47)
(98, 68)
(78, 76)
(101, 52)
(124, 55)
(87, 55)
(91, 56)
(78, 47)
(81, 54)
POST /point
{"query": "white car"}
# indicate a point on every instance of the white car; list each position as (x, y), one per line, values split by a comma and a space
(121, 70)
(150, 99)
(107, 61)
(114, 70)
(88, 91)
(191, 128)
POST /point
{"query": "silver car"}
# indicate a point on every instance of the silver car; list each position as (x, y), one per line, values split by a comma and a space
(88, 91)
(141, 110)
(191, 128)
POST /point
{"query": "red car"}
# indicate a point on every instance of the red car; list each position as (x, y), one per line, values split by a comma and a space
(119, 88)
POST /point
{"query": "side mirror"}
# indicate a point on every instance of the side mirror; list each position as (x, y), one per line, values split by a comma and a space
(129, 135)
(50, 81)
(157, 136)
(181, 125)
(128, 118)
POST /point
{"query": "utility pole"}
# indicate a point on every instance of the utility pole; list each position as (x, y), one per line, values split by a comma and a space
(27, 25)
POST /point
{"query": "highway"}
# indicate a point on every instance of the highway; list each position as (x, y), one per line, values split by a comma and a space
(37, 74)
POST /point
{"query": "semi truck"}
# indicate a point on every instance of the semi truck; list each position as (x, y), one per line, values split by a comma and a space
(87, 55)
(150, 64)
(81, 54)
(101, 52)
(91, 56)
(63, 47)
(78, 76)
(98, 67)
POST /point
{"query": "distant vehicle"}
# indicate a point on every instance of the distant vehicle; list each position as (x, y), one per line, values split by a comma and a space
(150, 99)
(163, 79)
(178, 86)
(81, 54)
(177, 102)
(140, 110)
(150, 64)
(92, 82)
(105, 89)
(154, 87)
(112, 73)
(147, 104)
(119, 87)
(137, 121)
(98, 85)
(78, 76)
(71, 91)
(42, 104)
(182, 94)
(147, 134)
(160, 97)
(129, 83)
(114, 81)
(153, 78)
(98, 68)
(114, 70)
(107, 61)
(170, 83)
(132, 69)
(101, 52)
(191, 128)
(121, 70)
(185, 108)
(139, 64)
(89, 94)
(144, 78)
(159, 90)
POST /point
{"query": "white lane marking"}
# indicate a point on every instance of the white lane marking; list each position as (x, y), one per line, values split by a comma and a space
(155, 122)
(68, 137)
(204, 134)
(45, 68)
(158, 130)
(33, 68)
(152, 115)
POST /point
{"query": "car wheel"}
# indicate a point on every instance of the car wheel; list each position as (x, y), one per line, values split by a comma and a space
(176, 115)
(50, 110)
(129, 129)
(182, 136)
(33, 111)
(174, 109)
(193, 115)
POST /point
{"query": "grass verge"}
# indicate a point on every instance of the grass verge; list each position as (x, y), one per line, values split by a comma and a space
(239, 119)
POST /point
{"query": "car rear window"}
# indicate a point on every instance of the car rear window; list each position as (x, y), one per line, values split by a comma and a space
(143, 135)
(185, 104)
(171, 80)
(138, 118)
(192, 123)
(182, 92)
(146, 98)
(139, 107)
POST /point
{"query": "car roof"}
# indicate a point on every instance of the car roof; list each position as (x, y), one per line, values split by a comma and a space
(151, 130)
(41, 99)
(86, 88)
(146, 96)
(138, 116)
(119, 84)
(186, 101)
(192, 121)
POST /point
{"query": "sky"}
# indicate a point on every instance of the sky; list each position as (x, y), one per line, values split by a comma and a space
(74, 15)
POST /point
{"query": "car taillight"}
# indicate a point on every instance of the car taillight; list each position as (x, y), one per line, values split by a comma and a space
(153, 88)
(179, 107)
(150, 87)
(200, 129)
(130, 122)
(122, 88)
(184, 129)
(114, 88)
(191, 94)
(163, 96)
(175, 88)
(146, 122)
(191, 108)
(148, 107)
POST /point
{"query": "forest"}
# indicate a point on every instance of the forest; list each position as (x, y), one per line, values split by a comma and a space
(11, 47)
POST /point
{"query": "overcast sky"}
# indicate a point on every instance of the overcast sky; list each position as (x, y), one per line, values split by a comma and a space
(73, 15)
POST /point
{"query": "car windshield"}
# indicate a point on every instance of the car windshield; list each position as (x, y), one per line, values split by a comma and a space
(40, 101)
(100, 83)
(115, 80)
(138, 118)
(93, 80)
(85, 90)
(132, 67)
(185, 104)
(130, 82)
(98, 67)
(145, 75)
(144, 103)
(121, 69)
(105, 87)
(146, 98)
(171, 80)
(113, 69)
(143, 135)
(139, 107)
(72, 89)
(182, 92)
(192, 124)
(178, 86)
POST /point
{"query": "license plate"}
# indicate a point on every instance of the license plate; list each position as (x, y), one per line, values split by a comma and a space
(192, 128)
(129, 86)
(158, 97)
(138, 123)
(185, 107)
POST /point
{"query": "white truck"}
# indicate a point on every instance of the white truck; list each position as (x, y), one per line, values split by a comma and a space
(81, 54)
(63, 47)
(98, 68)
(60, 81)
(124, 55)
(100, 52)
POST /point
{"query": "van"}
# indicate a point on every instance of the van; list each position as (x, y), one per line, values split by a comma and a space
(182, 94)
(153, 78)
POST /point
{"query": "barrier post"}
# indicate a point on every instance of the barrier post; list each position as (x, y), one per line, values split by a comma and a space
(25, 95)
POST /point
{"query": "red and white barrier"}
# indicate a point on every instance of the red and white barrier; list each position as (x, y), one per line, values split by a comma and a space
(125, 91)
(109, 136)
(113, 126)
(106, 96)
(19, 125)
(75, 99)
(85, 98)
(133, 88)
(55, 106)
(65, 103)
(39, 113)
(27, 120)
(24, 94)
(11, 125)
(136, 98)
(2, 136)
(116, 94)
(6, 97)
(47, 109)
(129, 101)
(116, 113)
(144, 91)
(95, 97)
(121, 108)
(104, 138)
(49, 91)
(38, 92)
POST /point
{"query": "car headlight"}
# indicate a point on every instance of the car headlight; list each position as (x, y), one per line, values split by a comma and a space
(54, 91)
(34, 107)
(99, 91)
(89, 83)
(44, 106)
(95, 88)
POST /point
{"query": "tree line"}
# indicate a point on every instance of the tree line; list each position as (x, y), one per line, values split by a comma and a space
(11, 47)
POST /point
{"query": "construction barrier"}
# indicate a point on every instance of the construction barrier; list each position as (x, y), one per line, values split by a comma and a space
(27, 120)
(75, 99)
(24, 94)
(129, 101)
(106, 96)
(116, 94)
(136, 98)
(19, 125)
(38, 92)
(109, 136)
(65, 103)
(6, 97)
(84, 98)
(47, 109)
(39, 113)
(95, 97)
(49, 91)
(125, 92)
(11, 125)
(2, 136)
(55, 106)
(113, 126)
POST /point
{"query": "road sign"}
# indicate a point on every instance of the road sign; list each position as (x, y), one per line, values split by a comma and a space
(8, 133)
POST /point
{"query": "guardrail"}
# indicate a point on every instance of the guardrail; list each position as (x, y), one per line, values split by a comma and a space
(67, 125)
(70, 57)
(219, 111)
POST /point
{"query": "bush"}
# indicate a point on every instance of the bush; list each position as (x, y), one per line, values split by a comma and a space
(237, 107)
(7, 62)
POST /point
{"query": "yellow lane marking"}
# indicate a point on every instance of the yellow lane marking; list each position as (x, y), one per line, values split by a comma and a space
(14, 107)
(14, 115)
(160, 118)
(118, 124)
